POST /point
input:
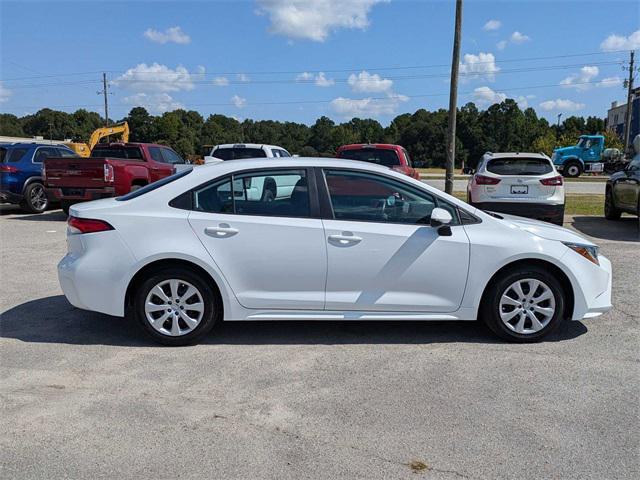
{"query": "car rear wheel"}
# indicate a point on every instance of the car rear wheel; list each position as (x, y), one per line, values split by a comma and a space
(35, 198)
(572, 170)
(176, 306)
(524, 305)
(610, 210)
(65, 205)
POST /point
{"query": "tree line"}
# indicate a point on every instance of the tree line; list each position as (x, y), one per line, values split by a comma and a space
(501, 127)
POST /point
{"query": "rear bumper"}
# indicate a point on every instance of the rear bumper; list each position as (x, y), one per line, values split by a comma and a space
(77, 195)
(539, 211)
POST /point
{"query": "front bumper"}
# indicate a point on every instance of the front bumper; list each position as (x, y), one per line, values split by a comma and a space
(539, 211)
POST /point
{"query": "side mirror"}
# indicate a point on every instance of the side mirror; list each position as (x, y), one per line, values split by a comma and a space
(441, 219)
(468, 171)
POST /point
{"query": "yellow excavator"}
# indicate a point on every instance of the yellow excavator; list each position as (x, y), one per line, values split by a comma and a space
(84, 149)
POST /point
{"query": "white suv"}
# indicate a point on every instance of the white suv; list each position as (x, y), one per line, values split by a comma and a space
(237, 151)
(524, 184)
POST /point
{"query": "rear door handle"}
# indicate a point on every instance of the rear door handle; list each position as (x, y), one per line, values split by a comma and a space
(222, 230)
(344, 239)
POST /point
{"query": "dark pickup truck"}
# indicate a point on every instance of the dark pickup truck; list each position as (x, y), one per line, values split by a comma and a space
(112, 170)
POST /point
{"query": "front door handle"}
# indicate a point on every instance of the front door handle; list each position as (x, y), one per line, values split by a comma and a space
(222, 230)
(344, 239)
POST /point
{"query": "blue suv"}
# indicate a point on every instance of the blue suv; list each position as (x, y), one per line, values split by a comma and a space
(21, 173)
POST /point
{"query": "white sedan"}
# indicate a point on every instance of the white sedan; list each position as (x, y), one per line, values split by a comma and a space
(350, 241)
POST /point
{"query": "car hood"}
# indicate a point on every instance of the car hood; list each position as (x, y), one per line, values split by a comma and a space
(545, 230)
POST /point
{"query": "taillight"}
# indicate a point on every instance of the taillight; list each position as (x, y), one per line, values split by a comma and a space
(108, 173)
(553, 181)
(482, 180)
(8, 168)
(87, 225)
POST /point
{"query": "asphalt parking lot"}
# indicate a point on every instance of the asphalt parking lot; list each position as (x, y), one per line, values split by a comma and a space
(87, 395)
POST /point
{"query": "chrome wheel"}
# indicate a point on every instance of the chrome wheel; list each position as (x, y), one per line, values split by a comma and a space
(527, 306)
(38, 197)
(174, 307)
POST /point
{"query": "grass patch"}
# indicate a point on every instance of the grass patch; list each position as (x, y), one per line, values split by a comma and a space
(576, 204)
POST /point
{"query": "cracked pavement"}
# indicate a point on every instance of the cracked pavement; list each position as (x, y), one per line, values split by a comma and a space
(86, 395)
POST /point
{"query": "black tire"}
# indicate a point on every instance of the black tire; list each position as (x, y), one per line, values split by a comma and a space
(65, 205)
(610, 210)
(212, 307)
(35, 198)
(572, 169)
(490, 306)
(135, 187)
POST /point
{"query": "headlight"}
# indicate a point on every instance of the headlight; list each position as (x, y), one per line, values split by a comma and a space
(590, 252)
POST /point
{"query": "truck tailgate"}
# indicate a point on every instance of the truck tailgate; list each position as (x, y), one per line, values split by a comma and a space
(74, 172)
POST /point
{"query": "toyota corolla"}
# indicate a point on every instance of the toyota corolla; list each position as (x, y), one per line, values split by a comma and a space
(339, 240)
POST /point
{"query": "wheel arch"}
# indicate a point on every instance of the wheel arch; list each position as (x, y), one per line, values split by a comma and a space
(30, 180)
(545, 264)
(155, 265)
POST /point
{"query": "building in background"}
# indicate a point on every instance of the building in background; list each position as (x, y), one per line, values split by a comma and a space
(616, 116)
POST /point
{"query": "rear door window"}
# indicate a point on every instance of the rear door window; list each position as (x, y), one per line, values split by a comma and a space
(156, 154)
(519, 166)
(44, 152)
(128, 153)
(65, 152)
(387, 158)
(171, 157)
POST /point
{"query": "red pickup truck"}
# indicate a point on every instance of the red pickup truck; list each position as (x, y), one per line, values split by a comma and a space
(113, 169)
(395, 157)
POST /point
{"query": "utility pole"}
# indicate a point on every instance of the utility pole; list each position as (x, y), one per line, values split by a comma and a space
(453, 101)
(105, 92)
(559, 116)
(627, 118)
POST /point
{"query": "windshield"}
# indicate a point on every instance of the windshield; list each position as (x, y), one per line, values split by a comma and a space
(11, 154)
(519, 166)
(388, 158)
(131, 153)
(153, 186)
(238, 153)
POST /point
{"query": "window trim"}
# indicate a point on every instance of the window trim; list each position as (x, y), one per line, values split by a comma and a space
(314, 208)
(35, 153)
(327, 207)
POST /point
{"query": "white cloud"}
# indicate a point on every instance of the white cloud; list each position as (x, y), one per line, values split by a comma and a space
(610, 82)
(481, 65)
(158, 78)
(492, 25)
(5, 93)
(485, 96)
(562, 104)
(154, 102)
(366, 82)
(242, 77)
(367, 107)
(221, 81)
(238, 101)
(170, 35)
(620, 42)
(518, 38)
(580, 81)
(501, 45)
(315, 20)
(523, 100)
(319, 80)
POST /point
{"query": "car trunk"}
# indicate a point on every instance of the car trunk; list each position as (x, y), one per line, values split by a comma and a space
(515, 187)
(74, 172)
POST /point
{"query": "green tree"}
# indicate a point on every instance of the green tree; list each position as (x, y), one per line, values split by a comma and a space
(10, 125)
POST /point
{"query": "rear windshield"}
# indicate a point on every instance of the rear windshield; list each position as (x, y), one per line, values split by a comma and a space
(131, 153)
(388, 158)
(238, 153)
(519, 166)
(152, 186)
(11, 154)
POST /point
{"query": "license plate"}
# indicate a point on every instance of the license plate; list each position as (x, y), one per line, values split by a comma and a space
(519, 189)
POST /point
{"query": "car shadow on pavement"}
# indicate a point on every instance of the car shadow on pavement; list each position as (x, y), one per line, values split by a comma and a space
(54, 320)
(626, 229)
(49, 216)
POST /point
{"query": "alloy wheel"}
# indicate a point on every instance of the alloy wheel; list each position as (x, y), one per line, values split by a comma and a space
(527, 306)
(38, 197)
(174, 307)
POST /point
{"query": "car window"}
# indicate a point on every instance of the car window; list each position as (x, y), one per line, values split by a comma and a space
(12, 154)
(65, 152)
(284, 153)
(388, 158)
(44, 152)
(280, 193)
(156, 154)
(519, 166)
(236, 153)
(406, 155)
(171, 157)
(368, 197)
(129, 153)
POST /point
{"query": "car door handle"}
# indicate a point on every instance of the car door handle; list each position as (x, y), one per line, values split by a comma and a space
(222, 230)
(344, 239)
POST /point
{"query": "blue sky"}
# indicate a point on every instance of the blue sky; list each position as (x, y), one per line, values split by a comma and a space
(298, 60)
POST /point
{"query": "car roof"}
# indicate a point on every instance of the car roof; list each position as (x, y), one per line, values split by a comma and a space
(356, 146)
(128, 144)
(247, 145)
(32, 144)
(491, 155)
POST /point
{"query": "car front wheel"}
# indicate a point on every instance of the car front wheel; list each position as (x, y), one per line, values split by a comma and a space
(610, 210)
(524, 305)
(176, 306)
